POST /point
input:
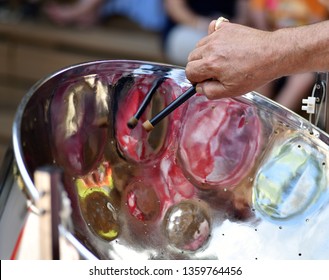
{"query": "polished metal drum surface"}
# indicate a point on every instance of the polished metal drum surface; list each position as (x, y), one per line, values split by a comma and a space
(240, 178)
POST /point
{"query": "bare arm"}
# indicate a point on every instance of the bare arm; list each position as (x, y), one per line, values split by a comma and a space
(243, 15)
(180, 12)
(325, 3)
(237, 59)
(259, 20)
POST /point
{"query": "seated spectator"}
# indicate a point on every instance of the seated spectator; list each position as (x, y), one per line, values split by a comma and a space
(188, 22)
(80, 12)
(148, 14)
(325, 3)
(275, 14)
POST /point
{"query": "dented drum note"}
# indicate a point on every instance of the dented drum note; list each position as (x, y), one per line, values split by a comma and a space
(234, 178)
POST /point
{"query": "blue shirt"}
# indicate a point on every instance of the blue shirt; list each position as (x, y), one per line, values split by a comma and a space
(149, 14)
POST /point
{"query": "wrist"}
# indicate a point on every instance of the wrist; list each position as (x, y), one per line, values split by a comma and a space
(303, 49)
(285, 52)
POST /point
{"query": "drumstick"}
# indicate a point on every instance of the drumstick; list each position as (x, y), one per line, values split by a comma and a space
(149, 124)
(134, 119)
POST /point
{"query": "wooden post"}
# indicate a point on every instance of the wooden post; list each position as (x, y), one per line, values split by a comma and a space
(48, 182)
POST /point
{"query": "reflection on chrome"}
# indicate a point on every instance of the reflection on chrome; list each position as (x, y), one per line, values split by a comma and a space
(292, 180)
(235, 178)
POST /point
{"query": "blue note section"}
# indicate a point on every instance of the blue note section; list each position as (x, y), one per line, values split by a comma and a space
(292, 181)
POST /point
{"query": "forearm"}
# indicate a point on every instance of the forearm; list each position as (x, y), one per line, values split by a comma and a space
(236, 59)
(242, 12)
(302, 49)
(179, 11)
(259, 20)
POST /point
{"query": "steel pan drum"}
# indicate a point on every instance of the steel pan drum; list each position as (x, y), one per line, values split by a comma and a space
(240, 178)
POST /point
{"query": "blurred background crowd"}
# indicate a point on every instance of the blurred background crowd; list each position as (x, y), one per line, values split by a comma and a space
(180, 24)
(177, 26)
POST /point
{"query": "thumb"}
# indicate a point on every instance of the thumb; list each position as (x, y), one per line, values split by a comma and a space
(211, 27)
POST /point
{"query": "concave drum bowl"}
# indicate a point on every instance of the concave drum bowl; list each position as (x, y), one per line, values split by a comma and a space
(233, 178)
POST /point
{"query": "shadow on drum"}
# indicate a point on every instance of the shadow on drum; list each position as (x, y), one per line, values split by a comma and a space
(239, 178)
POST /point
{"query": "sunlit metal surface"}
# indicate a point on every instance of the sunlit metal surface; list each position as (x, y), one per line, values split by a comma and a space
(236, 178)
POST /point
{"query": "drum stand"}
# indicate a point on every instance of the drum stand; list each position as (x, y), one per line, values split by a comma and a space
(49, 210)
(55, 224)
(317, 104)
